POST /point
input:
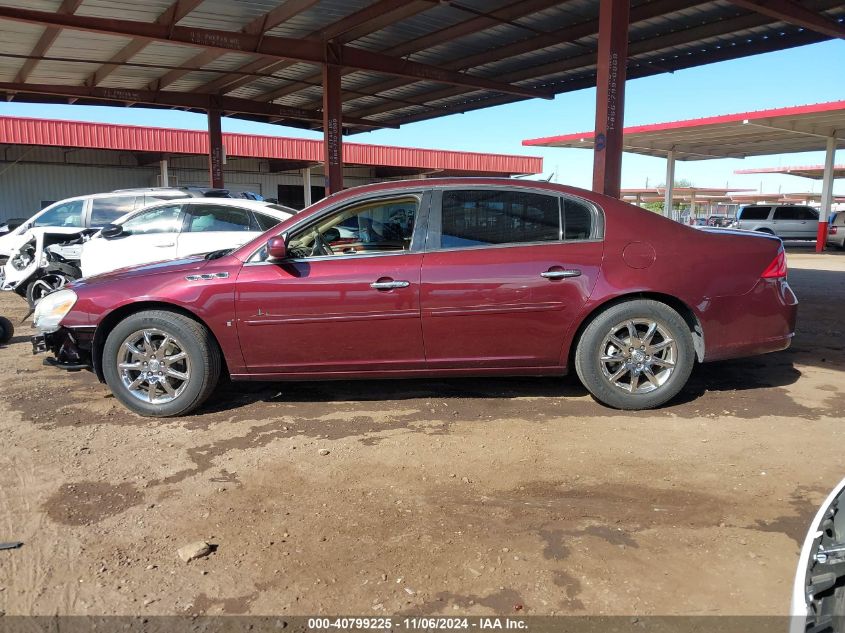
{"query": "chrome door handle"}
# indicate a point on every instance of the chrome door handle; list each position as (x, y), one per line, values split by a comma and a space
(561, 274)
(169, 244)
(389, 285)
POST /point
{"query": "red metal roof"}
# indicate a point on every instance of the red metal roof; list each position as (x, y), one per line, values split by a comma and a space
(775, 131)
(28, 131)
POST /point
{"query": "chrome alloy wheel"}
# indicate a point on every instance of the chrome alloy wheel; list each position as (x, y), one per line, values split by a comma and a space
(153, 366)
(638, 356)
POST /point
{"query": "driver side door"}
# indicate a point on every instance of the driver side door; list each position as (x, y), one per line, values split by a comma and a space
(347, 299)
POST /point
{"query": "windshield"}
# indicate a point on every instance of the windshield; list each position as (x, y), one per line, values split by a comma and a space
(67, 214)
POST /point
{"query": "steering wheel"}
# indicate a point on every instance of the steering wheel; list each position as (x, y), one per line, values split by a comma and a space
(320, 246)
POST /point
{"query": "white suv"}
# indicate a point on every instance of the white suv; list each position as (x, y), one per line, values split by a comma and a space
(787, 221)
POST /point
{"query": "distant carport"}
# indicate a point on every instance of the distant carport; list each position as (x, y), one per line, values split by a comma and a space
(764, 132)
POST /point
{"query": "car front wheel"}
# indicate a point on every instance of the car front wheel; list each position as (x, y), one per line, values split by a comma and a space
(160, 363)
(635, 355)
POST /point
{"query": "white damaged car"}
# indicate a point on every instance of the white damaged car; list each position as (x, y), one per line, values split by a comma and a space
(178, 228)
(42, 253)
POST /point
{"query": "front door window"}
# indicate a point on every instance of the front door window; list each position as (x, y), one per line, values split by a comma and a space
(380, 226)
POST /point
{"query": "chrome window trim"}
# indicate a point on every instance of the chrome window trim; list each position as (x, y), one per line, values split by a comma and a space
(331, 258)
(514, 245)
(596, 233)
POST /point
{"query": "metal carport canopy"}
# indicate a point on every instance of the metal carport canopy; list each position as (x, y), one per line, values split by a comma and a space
(814, 172)
(804, 128)
(382, 63)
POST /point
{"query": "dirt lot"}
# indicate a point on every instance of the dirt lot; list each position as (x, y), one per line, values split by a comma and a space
(462, 496)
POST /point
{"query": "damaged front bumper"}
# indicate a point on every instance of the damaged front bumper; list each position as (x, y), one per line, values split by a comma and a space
(71, 348)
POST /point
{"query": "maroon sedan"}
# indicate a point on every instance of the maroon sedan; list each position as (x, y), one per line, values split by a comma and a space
(451, 277)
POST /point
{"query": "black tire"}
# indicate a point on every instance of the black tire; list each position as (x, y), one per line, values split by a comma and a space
(55, 277)
(196, 341)
(766, 231)
(589, 351)
(7, 330)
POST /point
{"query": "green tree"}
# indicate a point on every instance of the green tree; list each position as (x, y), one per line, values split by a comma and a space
(657, 207)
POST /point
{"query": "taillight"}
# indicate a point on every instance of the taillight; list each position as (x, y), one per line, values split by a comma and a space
(832, 230)
(777, 269)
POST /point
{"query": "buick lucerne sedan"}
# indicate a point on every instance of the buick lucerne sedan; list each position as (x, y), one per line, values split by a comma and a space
(451, 277)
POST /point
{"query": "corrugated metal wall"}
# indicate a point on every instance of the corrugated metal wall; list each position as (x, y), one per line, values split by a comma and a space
(24, 186)
(24, 131)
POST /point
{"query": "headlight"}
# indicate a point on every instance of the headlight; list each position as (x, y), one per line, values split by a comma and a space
(52, 309)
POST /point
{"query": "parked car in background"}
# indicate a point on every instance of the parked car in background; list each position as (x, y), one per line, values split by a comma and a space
(451, 277)
(72, 215)
(836, 230)
(42, 253)
(720, 221)
(786, 221)
(178, 228)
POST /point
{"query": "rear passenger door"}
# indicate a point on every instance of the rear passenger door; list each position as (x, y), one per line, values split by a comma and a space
(504, 274)
(809, 222)
(790, 223)
(211, 227)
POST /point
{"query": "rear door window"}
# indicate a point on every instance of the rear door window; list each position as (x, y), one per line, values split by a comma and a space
(754, 213)
(105, 210)
(479, 217)
(787, 213)
(203, 218)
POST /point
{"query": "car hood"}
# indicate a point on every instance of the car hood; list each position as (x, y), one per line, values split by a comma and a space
(173, 266)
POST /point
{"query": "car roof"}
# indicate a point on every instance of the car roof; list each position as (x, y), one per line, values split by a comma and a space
(266, 208)
(243, 203)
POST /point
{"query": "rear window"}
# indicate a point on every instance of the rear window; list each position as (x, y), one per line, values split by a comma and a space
(577, 220)
(754, 213)
(265, 222)
(214, 218)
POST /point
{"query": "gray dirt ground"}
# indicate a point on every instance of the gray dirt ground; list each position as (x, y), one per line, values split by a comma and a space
(460, 496)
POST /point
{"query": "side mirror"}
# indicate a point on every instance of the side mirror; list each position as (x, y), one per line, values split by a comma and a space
(277, 249)
(111, 231)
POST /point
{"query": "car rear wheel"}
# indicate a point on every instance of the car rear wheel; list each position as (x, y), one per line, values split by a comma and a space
(635, 355)
(160, 363)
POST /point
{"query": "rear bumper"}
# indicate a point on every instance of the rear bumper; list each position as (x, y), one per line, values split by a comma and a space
(759, 322)
(70, 348)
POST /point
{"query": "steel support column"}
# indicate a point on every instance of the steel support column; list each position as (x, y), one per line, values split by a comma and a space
(332, 129)
(610, 96)
(827, 193)
(165, 177)
(215, 149)
(306, 186)
(669, 194)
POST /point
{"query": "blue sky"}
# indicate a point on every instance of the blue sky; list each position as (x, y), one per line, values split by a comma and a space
(808, 74)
